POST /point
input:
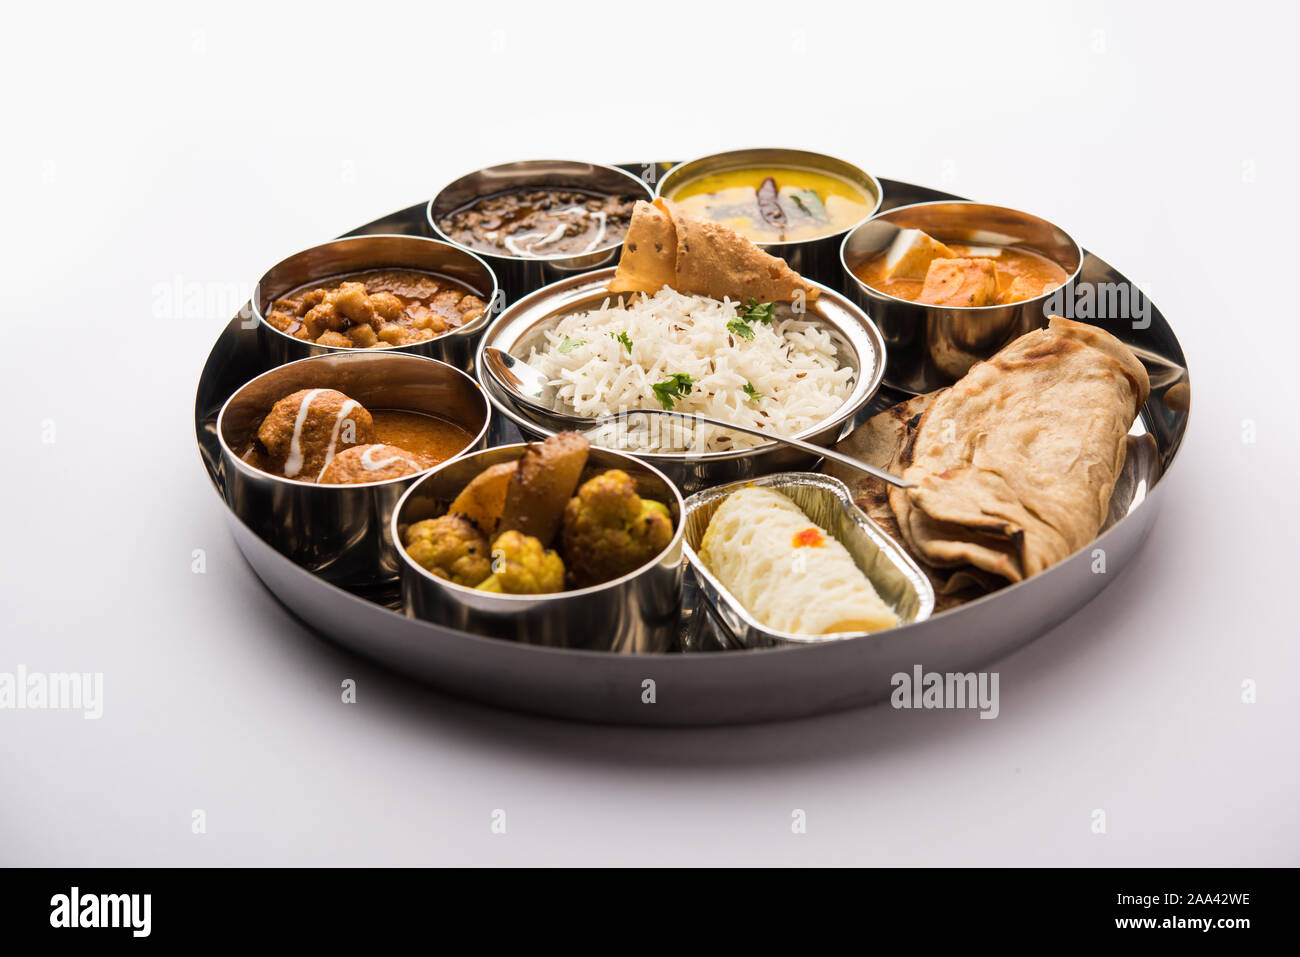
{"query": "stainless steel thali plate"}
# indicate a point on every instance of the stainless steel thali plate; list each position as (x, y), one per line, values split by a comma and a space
(708, 683)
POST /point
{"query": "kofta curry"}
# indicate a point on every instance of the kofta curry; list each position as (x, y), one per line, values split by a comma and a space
(323, 436)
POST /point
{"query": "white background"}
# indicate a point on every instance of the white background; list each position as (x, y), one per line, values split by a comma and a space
(147, 146)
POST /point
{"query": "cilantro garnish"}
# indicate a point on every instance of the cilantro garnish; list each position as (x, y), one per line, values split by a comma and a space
(752, 392)
(676, 386)
(741, 328)
(623, 338)
(568, 345)
(750, 313)
(758, 312)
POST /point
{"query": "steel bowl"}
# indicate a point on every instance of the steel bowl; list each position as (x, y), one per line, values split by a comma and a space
(934, 346)
(361, 253)
(826, 501)
(339, 532)
(638, 612)
(857, 340)
(816, 259)
(518, 275)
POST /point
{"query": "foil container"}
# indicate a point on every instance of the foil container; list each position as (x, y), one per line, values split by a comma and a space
(826, 501)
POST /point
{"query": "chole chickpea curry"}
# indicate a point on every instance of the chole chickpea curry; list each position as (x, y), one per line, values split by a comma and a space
(376, 309)
(534, 526)
(323, 436)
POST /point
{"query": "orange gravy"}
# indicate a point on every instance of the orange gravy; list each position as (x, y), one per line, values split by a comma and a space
(428, 438)
(1036, 270)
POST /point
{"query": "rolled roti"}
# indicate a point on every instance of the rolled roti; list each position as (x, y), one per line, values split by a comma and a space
(663, 247)
(880, 441)
(1015, 464)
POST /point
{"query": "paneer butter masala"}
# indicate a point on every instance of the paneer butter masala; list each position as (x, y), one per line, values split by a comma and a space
(920, 268)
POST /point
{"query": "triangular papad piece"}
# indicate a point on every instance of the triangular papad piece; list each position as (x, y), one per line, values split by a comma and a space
(708, 259)
(649, 258)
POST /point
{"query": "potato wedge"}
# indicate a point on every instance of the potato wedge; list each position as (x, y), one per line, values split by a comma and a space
(542, 484)
(484, 498)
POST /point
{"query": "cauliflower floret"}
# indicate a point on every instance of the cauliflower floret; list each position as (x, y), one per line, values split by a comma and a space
(609, 529)
(450, 547)
(521, 566)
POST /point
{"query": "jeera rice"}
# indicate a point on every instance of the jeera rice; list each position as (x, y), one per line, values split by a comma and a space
(765, 367)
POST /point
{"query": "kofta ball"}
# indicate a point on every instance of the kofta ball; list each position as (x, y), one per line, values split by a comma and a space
(369, 463)
(305, 430)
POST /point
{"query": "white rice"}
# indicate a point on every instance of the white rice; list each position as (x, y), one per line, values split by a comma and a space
(791, 363)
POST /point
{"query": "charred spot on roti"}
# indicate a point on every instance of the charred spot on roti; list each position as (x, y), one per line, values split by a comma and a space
(1047, 350)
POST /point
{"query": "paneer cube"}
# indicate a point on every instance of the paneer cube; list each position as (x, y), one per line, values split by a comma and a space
(911, 253)
(960, 282)
(1020, 289)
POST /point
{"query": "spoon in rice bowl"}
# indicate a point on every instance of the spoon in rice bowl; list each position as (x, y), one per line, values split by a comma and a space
(530, 386)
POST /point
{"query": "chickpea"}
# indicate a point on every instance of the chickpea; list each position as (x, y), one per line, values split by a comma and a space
(335, 339)
(363, 336)
(392, 334)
